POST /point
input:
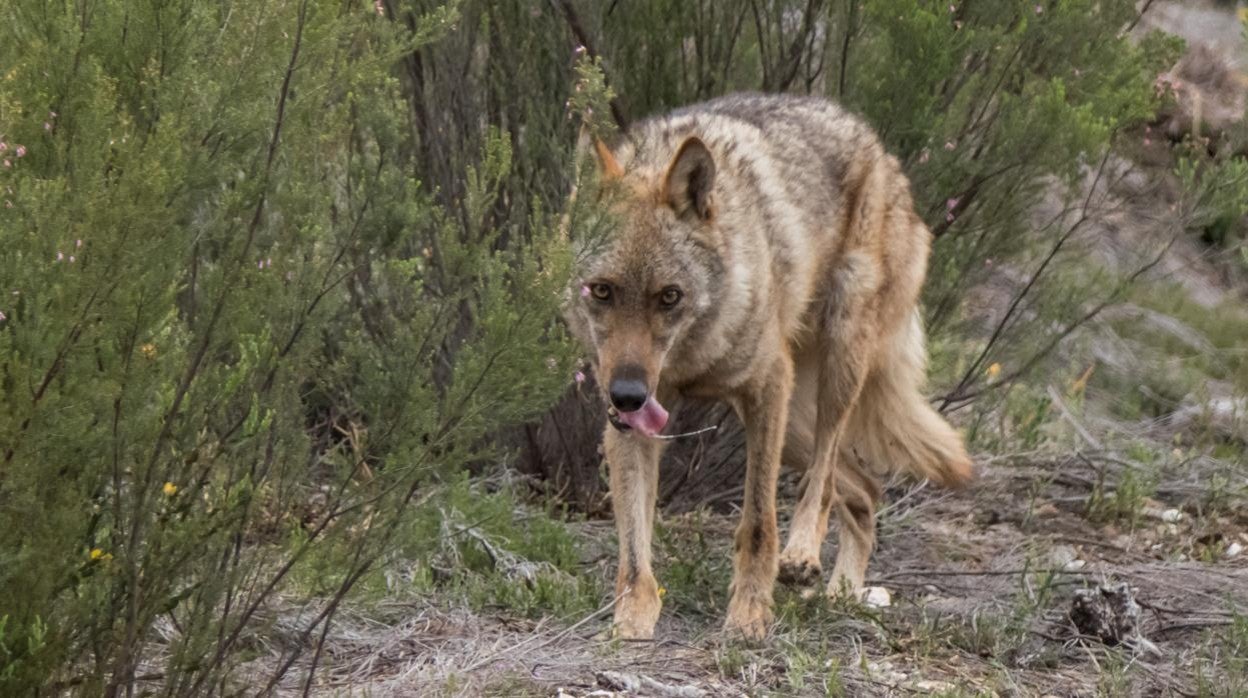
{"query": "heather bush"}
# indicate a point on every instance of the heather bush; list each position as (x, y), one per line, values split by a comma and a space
(241, 331)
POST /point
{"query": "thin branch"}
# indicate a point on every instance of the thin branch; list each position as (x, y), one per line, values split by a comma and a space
(582, 37)
(997, 332)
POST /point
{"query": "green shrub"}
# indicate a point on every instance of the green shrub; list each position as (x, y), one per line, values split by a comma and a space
(239, 328)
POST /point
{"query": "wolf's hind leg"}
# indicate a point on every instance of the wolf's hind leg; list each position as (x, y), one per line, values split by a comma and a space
(633, 462)
(855, 493)
(842, 370)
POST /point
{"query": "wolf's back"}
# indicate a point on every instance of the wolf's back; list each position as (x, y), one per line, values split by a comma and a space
(809, 142)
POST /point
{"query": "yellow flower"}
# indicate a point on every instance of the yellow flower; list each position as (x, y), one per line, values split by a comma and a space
(96, 553)
(662, 591)
(170, 489)
(1082, 382)
(148, 350)
(993, 371)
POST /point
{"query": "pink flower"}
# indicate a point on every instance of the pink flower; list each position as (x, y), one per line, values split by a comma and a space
(1148, 141)
(953, 8)
(949, 217)
(78, 243)
(579, 377)
(924, 156)
(60, 255)
(7, 163)
(3, 317)
(71, 259)
(21, 151)
(1039, 9)
(951, 204)
(3, 146)
(950, 145)
(47, 126)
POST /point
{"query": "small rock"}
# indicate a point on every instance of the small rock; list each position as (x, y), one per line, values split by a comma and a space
(877, 597)
(1062, 555)
(1171, 516)
(1234, 549)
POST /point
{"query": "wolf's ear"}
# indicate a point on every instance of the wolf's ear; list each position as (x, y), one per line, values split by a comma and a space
(690, 177)
(608, 165)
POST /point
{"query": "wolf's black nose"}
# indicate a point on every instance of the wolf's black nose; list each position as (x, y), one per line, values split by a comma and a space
(628, 394)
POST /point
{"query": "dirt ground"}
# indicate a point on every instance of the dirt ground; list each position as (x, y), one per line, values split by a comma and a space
(981, 585)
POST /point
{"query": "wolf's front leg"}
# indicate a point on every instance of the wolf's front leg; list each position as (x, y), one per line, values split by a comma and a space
(634, 464)
(763, 408)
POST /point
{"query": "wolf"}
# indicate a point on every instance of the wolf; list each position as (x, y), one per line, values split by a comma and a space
(766, 253)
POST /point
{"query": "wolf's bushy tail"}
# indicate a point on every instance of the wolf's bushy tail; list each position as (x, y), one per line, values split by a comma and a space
(894, 427)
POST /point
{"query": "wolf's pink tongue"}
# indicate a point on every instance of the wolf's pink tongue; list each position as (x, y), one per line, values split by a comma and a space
(649, 420)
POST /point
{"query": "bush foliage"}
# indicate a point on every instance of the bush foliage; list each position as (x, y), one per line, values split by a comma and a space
(239, 324)
(269, 272)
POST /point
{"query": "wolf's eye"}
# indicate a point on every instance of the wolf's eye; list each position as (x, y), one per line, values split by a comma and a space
(670, 297)
(601, 292)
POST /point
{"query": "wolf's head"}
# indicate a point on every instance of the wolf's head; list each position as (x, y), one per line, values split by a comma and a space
(640, 292)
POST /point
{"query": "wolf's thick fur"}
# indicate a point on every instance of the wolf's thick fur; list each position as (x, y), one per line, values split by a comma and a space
(788, 241)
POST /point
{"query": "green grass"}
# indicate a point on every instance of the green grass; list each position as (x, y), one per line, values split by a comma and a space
(1124, 500)
(694, 566)
(1222, 669)
(487, 549)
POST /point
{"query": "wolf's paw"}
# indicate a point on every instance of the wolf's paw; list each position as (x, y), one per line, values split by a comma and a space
(799, 573)
(749, 618)
(636, 615)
